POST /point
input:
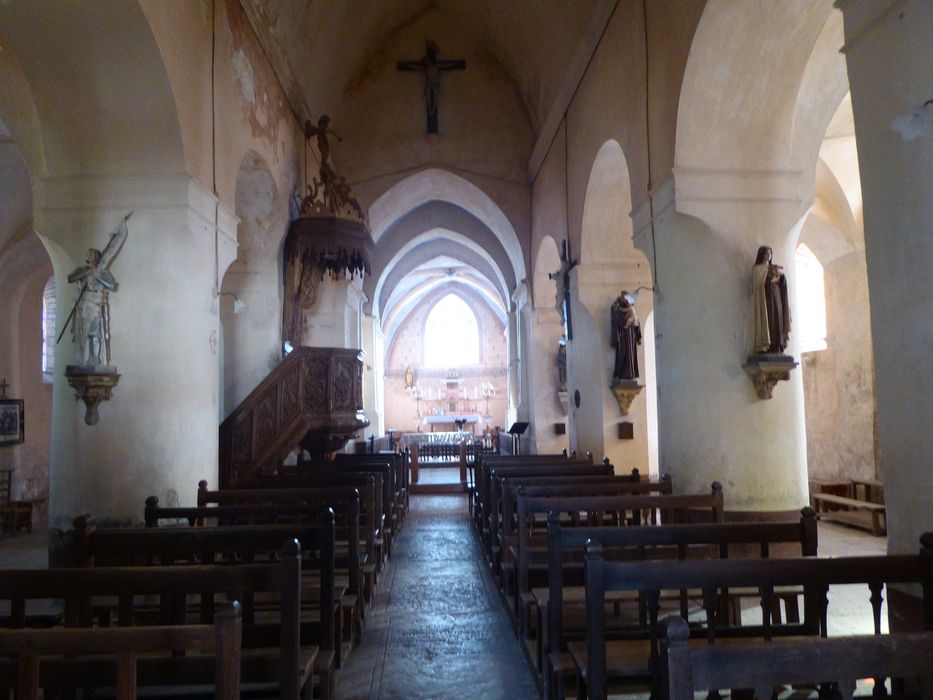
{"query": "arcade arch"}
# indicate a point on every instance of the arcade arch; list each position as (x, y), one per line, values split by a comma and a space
(609, 264)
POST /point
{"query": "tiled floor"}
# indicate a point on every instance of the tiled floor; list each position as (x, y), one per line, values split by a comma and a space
(437, 628)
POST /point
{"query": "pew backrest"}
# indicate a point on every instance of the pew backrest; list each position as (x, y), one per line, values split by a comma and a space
(123, 646)
(814, 574)
(668, 541)
(840, 660)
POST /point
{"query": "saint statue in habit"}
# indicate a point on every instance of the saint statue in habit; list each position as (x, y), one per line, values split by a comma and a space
(771, 307)
(90, 316)
(626, 337)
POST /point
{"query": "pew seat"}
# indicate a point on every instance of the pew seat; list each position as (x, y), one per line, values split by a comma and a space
(851, 511)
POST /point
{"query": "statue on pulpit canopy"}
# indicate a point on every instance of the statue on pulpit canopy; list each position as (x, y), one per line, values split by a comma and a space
(770, 305)
(626, 337)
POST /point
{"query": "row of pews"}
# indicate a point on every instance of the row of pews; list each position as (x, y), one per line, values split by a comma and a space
(259, 589)
(618, 584)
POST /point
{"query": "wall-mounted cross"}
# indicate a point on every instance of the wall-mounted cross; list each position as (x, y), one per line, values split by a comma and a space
(431, 67)
(3, 387)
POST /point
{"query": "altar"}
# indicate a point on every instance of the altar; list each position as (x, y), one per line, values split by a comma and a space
(451, 423)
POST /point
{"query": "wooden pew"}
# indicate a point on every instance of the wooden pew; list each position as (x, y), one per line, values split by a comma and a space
(814, 574)
(320, 612)
(276, 506)
(369, 487)
(242, 506)
(402, 477)
(530, 541)
(81, 650)
(600, 485)
(852, 511)
(383, 473)
(275, 656)
(489, 506)
(841, 660)
(480, 495)
(719, 540)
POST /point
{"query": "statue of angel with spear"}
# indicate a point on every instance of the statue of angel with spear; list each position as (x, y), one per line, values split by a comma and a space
(90, 315)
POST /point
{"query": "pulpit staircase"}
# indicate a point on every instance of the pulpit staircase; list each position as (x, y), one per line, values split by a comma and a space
(313, 399)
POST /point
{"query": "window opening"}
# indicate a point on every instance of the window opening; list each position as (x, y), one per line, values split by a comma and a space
(811, 300)
(451, 334)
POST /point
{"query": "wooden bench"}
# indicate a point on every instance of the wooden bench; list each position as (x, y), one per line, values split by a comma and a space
(718, 540)
(844, 660)
(45, 658)
(241, 507)
(173, 595)
(639, 658)
(532, 569)
(481, 477)
(320, 615)
(491, 511)
(863, 514)
(369, 488)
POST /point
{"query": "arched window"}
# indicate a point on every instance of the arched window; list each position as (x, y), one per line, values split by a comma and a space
(811, 300)
(451, 336)
(48, 330)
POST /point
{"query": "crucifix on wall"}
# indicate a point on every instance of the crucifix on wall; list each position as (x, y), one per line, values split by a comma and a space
(562, 276)
(431, 67)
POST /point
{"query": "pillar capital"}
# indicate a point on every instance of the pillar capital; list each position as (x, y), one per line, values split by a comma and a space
(744, 203)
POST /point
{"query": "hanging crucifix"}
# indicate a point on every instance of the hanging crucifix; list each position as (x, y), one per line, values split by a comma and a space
(431, 67)
(563, 277)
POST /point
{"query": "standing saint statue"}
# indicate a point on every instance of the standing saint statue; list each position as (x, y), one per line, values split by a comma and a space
(90, 316)
(626, 337)
(771, 307)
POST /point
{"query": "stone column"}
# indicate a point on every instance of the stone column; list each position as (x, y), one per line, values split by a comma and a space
(158, 434)
(335, 320)
(712, 424)
(594, 424)
(545, 409)
(374, 375)
(890, 68)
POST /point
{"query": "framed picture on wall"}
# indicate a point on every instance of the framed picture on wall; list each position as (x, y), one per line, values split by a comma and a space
(12, 425)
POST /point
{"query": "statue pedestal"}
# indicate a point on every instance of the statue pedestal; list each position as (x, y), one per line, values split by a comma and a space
(92, 384)
(625, 391)
(766, 371)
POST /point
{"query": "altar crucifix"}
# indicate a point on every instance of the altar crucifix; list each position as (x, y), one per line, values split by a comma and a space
(431, 67)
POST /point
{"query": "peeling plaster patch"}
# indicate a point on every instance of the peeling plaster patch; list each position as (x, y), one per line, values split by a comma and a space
(244, 74)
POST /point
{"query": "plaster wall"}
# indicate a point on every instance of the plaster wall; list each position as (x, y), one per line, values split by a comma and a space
(32, 458)
(839, 381)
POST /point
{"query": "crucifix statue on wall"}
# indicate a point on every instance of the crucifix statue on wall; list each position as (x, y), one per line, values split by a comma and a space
(562, 275)
(431, 67)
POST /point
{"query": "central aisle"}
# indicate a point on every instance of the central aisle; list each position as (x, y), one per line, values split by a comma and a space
(436, 628)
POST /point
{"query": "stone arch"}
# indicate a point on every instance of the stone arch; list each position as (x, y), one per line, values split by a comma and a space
(547, 261)
(424, 246)
(435, 184)
(95, 115)
(607, 225)
(609, 263)
(738, 98)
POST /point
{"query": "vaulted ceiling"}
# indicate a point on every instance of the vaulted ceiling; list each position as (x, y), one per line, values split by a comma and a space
(323, 49)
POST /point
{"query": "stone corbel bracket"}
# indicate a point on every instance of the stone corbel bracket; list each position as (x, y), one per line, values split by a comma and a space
(625, 391)
(766, 371)
(562, 399)
(92, 385)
